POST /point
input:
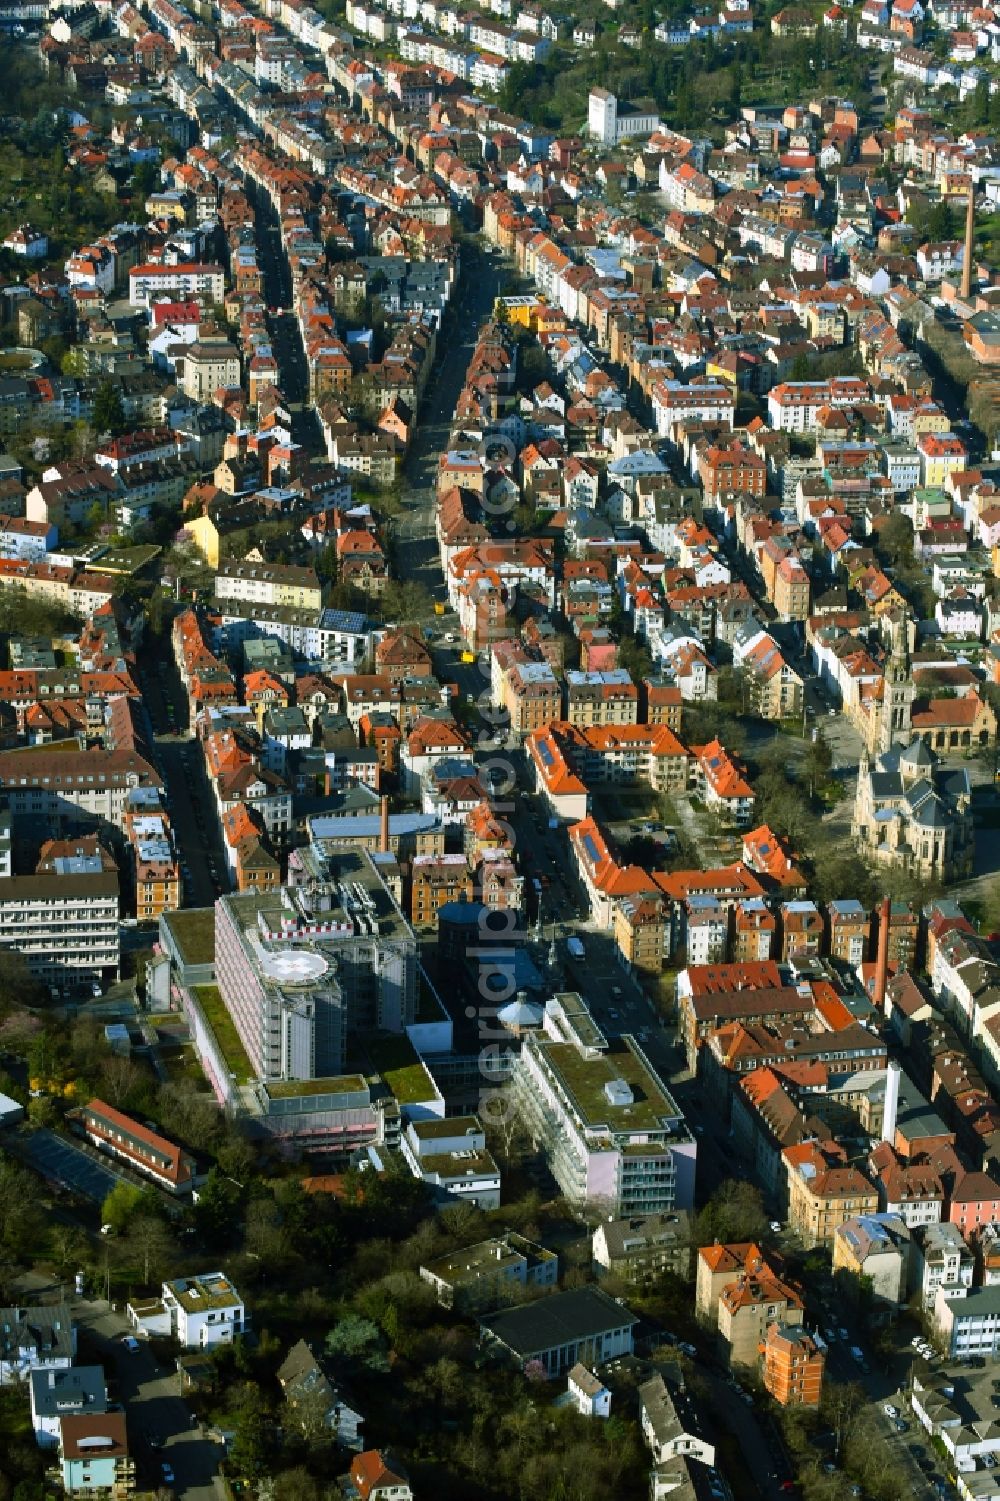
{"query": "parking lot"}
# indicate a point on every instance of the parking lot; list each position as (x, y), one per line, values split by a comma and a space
(68, 1165)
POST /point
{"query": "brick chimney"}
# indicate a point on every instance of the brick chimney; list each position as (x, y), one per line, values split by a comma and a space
(970, 243)
(882, 955)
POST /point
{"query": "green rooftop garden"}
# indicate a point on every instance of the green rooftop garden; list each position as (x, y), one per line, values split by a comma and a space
(296, 1089)
(396, 1060)
(194, 934)
(224, 1030)
(585, 1078)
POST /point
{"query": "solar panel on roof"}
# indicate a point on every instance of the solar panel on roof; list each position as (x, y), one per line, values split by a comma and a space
(343, 620)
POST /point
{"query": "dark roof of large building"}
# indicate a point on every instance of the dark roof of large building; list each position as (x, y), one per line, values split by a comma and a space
(558, 1320)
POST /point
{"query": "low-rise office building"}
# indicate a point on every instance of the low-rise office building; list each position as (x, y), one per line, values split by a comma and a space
(451, 1157)
(490, 1273)
(144, 1150)
(583, 1325)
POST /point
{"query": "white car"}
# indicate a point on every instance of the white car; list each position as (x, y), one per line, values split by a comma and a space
(917, 1341)
(890, 1411)
(450, 637)
(776, 1226)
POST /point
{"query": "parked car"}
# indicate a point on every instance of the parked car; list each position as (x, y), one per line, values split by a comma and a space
(131, 1343)
(890, 1411)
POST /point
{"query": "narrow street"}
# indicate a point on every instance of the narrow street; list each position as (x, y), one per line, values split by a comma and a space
(192, 809)
(161, 1426)
(415, 554)
(285, 333)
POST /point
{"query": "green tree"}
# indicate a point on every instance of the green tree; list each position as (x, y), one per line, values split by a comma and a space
(218, 1213)
(357, 1340)
(895, 539)
(109, 413)
(406, 601)
(21, 1218)
(124, 1204)
(941, 222)
(249, 1448)
(818, 762)
(735, 1212)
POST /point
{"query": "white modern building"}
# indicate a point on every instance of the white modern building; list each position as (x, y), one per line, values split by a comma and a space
(610, 1131)
(198, 1312)
(451, 1157)
(611, 120)
(64, 923)
(967, 1321)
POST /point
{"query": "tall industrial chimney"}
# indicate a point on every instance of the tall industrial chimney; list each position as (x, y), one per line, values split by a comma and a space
(383, 838)
(970, 243)
(882, 954)
(891, 1104)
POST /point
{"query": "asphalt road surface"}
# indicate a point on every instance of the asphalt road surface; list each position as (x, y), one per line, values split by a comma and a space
(150, 1394)
(416, 555)
(192, 808)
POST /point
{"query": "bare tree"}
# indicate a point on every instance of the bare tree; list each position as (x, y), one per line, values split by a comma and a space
(119, 1076)
(150, 1242)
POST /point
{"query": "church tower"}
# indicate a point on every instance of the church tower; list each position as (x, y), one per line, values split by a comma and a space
(895, 720)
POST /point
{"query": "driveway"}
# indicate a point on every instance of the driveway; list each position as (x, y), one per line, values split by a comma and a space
(150, 1395)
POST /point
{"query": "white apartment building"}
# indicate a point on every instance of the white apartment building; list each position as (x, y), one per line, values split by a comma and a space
(967, 1321)
(610, 1131)
(189, 279)
(204, 1311)
(56, 787)
(268, 584)
(332, 639)
(199, 1312)
(941, 1259)
(64, 924)
(673, 401)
